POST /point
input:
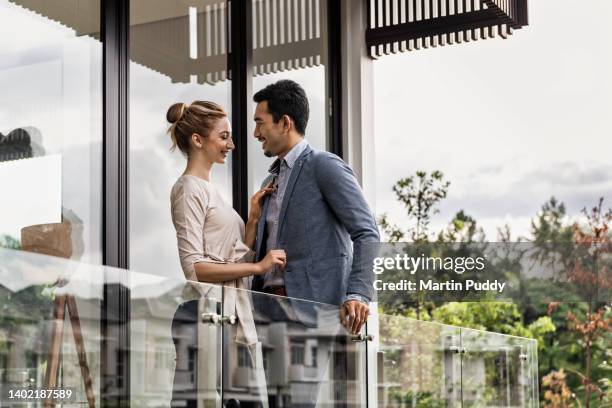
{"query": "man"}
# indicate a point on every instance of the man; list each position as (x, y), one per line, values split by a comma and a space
(315, 211)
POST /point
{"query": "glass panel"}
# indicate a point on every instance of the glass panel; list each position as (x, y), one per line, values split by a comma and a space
(177, 54)
(290, 352)
(50, 334)
(175, 352)
(290, 42)
(531, 367)
(51, 128)
(193, 344)
(497, 370)
(416, 363)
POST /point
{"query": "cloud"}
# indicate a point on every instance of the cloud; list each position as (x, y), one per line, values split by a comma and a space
(519, 200)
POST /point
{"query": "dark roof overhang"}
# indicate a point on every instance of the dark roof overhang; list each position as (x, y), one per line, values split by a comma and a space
(407, 25)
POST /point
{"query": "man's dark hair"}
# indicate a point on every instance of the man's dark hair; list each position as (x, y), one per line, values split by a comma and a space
(286, 97)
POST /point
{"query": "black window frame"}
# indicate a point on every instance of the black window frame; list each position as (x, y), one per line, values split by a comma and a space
(114, 29)
(115, 36)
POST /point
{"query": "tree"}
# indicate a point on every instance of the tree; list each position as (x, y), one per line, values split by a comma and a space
(557, 394)
(462, 228)
(499, 317)
(549, 226)
(552, 237)
(606, 381)
(591, 272)
(7, 241)
(579, 258)
(419, 195)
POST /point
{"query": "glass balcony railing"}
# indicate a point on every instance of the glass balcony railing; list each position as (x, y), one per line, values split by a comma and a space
(103, 335)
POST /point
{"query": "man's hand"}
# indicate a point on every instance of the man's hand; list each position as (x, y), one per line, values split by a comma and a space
(353, 315)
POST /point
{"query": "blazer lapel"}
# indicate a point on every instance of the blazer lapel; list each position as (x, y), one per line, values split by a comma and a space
(295, 172)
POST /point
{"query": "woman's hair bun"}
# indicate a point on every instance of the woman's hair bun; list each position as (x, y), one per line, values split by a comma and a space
(175, 112)
(199, 117)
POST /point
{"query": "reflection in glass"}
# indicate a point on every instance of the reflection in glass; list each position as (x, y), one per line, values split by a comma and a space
(198, 344)
(176, 353)
(434, 365)
(417, 363)
(497, 370)
(290, 42)
(50, 173)
(177, 54)
(50, 326)
(51, 128)
(301, 355)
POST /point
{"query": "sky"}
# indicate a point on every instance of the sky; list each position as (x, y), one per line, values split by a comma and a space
(509, 122)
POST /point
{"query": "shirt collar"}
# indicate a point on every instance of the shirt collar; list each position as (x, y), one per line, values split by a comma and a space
(290, 158)
(295, 152)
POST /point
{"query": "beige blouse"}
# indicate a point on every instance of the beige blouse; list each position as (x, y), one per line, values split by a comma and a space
(207, 228)
(210, 230)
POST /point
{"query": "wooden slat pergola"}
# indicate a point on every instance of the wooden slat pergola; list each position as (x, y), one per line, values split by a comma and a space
(287, 34)
(407, 25)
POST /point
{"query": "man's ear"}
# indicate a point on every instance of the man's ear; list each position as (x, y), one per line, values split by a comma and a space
(286, 123)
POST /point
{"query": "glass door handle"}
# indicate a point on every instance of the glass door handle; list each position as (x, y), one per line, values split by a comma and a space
(458, 350)
(361, 338)
(213, 318)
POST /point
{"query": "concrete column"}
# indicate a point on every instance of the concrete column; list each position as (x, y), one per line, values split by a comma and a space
(358, 97)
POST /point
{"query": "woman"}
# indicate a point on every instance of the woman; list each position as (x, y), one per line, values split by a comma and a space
(213, 244)
(210, 233)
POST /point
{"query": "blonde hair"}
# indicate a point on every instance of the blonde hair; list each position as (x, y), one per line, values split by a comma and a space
(199, 117)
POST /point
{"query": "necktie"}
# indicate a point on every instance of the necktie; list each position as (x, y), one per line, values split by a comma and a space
(275, 170)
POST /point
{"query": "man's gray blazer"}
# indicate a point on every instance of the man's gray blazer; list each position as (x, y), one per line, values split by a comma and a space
(323, 210)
